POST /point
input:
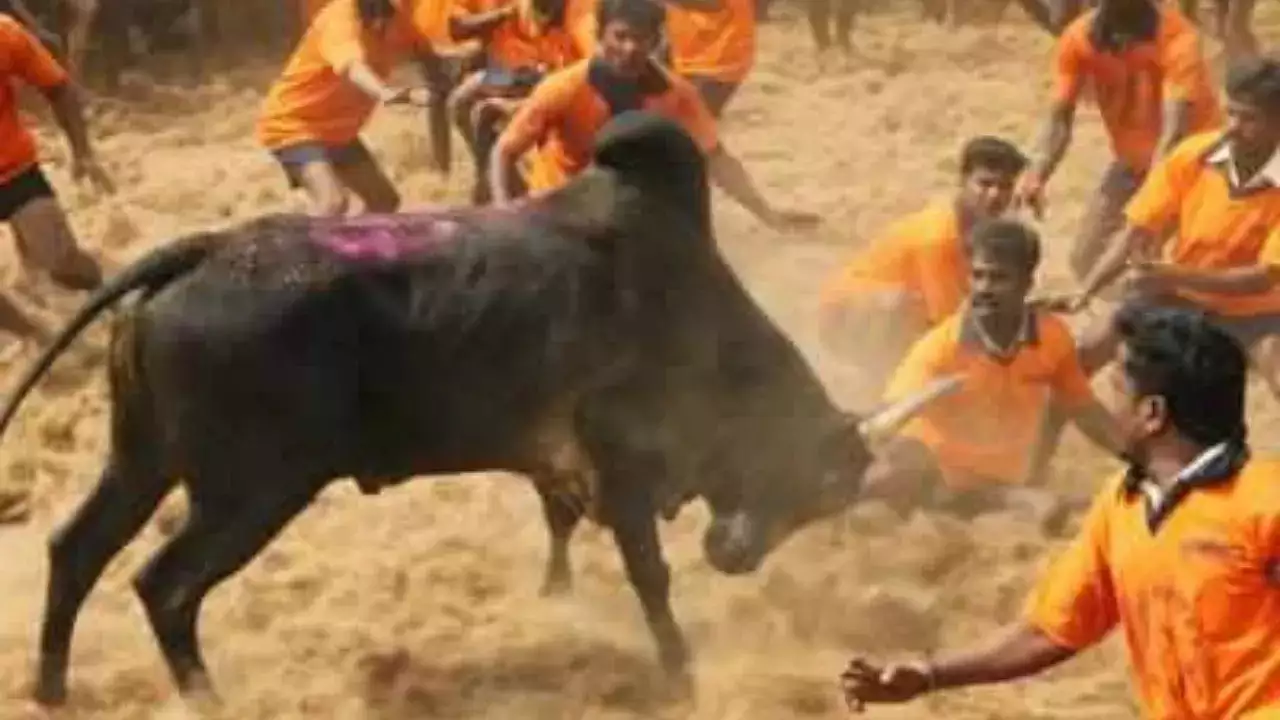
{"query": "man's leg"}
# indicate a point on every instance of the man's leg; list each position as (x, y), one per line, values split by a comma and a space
(1237, 33)
(489, 117)
(716, 94)
(45, 239)
(435, 72)
(308, 166)
(1103, 218)
(819, 16)
(361, 174)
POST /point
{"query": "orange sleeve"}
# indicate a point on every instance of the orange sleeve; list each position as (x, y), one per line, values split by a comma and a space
(1067, 70)
(1070, 384)
(1075, 602)
(1184, 71)
(29, 59)
(339, 40)
(697, 118)
(550, 101)
(1156, 205)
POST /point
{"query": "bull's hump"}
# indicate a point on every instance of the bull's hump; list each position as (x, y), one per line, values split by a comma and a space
(399, 237)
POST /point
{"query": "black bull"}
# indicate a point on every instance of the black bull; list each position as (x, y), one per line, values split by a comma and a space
(593, 340)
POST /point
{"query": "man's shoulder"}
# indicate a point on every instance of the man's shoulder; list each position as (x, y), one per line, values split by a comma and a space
(932, 226)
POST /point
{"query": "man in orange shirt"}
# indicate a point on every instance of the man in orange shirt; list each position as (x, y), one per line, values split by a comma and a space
(975, 448)
(313, 114)
(917, 274)
(27, 200)
(1152, 86)
(523, 40)
(712, 47)
(562, 116)
(1182, 551)
(1218, 194)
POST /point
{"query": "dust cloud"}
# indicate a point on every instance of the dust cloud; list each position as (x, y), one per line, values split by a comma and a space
(422, 602)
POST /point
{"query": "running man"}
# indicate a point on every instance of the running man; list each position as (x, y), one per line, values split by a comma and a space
(28, 202)
(560, 119)
(713, 46)
(523, 40)
(1152, 87)
(1218, 194)
(1180, 552)
(975, 449)
(917, 274)
(312, 116)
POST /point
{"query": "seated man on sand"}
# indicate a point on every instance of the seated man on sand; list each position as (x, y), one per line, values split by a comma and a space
(917, 274)
(558, 124)
(967, 450)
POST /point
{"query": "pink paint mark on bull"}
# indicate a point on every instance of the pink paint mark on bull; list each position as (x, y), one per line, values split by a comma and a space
(386, 238)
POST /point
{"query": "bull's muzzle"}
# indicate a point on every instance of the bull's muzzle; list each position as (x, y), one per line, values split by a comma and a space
(734, 544)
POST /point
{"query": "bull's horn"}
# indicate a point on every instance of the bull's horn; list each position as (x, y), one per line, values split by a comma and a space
(890, 419)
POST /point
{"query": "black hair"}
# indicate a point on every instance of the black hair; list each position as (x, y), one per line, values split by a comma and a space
(1198, 368)
(1256, 81)
(1124, 21)
(991, 153)
(374, 10)
(646, 16)
(1007, 241)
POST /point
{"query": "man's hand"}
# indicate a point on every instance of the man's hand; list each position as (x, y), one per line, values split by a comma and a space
(793, 220)
(87, 166)
(1029, 193)
(1151, 277)
(413, 96)
(865, 683)
(1069, 303)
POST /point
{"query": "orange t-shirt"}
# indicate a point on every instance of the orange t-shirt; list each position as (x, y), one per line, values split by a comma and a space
(1213, 228)
(1131, 88)
(22, 57)
(311, 102)
(921, 255)
(719, 44)
(520, 42)
(1198, 600)
(564, 113)
(431, 18)
(580, 20)
(986, 430)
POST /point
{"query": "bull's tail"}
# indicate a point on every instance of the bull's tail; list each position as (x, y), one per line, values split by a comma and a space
(151, 272)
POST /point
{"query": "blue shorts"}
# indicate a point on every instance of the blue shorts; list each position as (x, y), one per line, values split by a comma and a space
(519, 81)
(294, 157)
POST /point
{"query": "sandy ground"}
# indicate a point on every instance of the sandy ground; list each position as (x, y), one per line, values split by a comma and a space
(422, 602)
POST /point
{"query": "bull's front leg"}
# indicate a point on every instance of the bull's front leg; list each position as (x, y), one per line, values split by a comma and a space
(633, 519)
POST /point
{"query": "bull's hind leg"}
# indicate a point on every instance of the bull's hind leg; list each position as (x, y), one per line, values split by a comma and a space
(562, 518)
(217, 541)
(79, 551)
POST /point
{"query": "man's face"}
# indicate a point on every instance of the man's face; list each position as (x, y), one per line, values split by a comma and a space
(626, 48)
(986, 193)
(997, 287)
(1251, 130)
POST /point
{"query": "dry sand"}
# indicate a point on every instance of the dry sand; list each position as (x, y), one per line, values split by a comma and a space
(422, 602)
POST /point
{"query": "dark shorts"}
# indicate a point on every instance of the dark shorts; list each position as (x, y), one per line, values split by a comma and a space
(503, 81)
(715, 93)
(21, 189)
(1246, 329)
(293, 157)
